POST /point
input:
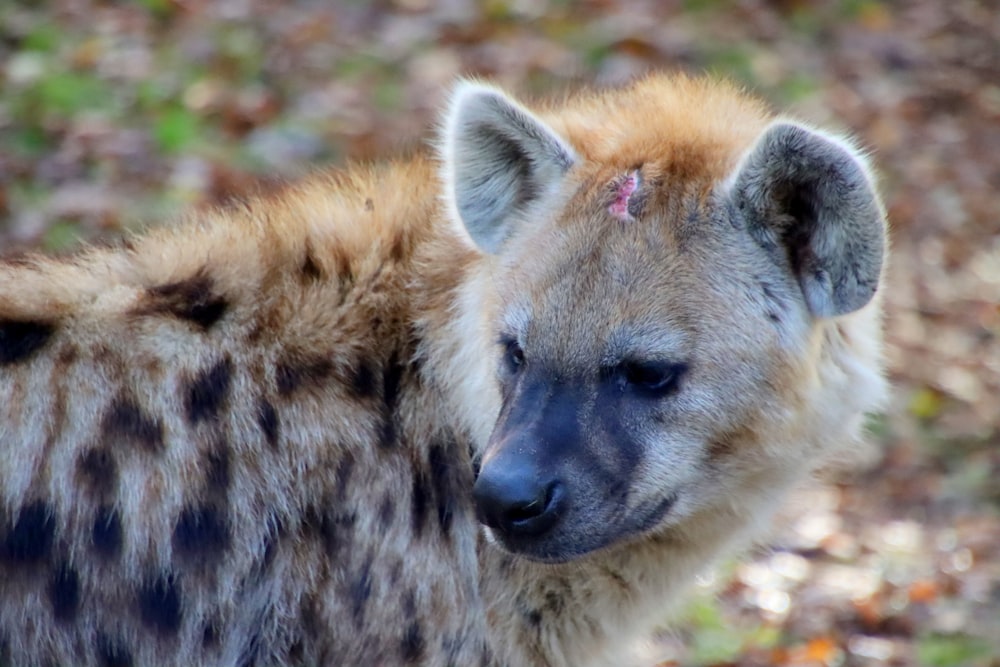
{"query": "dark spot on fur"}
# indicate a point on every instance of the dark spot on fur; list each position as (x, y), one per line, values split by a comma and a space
(106, 534)
(309, 614)
(396, 572)
(362, 380)
(387, 431)
(21, 339)
(64, 593)
(720, 448)
(297, 652)
(476, 461)
(98, 471)
(360, 591)
(293, 375)
(441, 479)
(410, 603)
(29, 540)
(533, 617)
(345, 272)
(345, 467)
(201, 532)
(386, 513)
(397, 253)
(412, 645)
(420, 500)
(192, 300)
(160, 604)
(369, 205)
(267, 418)
(210, 635)
(208, 391)
(217, 466)
(68, 354)
(554, 602)
(333, 528)
(774, 313)
(311, 271)
(126, 422)
(113, 652)
(392, 377)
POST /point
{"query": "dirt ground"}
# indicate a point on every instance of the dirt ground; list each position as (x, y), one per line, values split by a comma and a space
(115, 115)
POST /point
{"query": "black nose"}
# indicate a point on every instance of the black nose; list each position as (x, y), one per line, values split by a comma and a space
(517, 503)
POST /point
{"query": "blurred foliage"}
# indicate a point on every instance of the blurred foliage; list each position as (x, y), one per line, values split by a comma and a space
(953, 651)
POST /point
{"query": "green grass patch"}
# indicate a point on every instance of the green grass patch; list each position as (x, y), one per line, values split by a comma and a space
(175, 129)
(60, 236)
(953, 651)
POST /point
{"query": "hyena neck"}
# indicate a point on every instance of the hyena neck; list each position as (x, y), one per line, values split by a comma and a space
(593, 611)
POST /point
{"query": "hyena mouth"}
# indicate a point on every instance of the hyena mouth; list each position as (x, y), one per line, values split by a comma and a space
(560, 542)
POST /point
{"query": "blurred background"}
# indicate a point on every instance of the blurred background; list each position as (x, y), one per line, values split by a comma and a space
(115, 115)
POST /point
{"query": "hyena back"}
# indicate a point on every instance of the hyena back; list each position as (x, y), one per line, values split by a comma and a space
(269, 435)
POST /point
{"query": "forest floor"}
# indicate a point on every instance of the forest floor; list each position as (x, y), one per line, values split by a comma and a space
(117, 115)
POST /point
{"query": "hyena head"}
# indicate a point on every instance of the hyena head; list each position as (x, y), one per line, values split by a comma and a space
(665, 265)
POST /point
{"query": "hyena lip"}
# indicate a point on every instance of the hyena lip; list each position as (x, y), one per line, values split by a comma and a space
(559, 547)
(658, 512)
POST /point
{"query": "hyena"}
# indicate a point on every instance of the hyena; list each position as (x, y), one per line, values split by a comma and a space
(493, 405)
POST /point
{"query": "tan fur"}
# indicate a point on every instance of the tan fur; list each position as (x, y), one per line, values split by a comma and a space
(278, 405)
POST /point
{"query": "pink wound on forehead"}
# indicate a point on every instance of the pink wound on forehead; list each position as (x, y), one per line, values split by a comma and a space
(619, 207)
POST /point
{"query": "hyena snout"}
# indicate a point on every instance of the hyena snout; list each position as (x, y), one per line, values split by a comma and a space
(517, 500)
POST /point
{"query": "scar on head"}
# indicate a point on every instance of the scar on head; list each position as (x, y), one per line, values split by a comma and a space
(623, 188)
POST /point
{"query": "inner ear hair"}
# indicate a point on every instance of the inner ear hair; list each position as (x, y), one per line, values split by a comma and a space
(810, 197)
(498, 158)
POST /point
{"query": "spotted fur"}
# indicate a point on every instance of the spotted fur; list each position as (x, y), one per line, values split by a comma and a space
(266, 435)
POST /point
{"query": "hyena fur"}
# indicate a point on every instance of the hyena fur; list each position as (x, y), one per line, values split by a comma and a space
(496, 405)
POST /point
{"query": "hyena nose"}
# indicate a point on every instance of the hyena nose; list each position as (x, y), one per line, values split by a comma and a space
(517, 504)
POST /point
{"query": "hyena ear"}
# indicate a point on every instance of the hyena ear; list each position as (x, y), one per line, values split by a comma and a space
(810, 197)
(498, 159)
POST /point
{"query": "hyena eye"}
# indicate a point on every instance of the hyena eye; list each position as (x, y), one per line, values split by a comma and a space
(655, 378)
(513, 355)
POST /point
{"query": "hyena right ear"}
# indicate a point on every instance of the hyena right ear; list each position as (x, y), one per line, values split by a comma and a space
(498, 159)
(808, 198)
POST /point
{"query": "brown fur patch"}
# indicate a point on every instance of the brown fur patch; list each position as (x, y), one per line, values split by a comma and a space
(21, 339)
(97, 471)
(106, 533)
(294, 375)
(126, 423)
(207, 392)
(193, 300)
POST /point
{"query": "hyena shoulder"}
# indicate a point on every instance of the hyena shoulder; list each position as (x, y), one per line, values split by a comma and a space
(218, 446)
(613, 330)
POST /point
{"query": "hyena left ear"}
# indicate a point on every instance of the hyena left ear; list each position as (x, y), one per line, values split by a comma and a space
(810, 197)
(498, 160)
